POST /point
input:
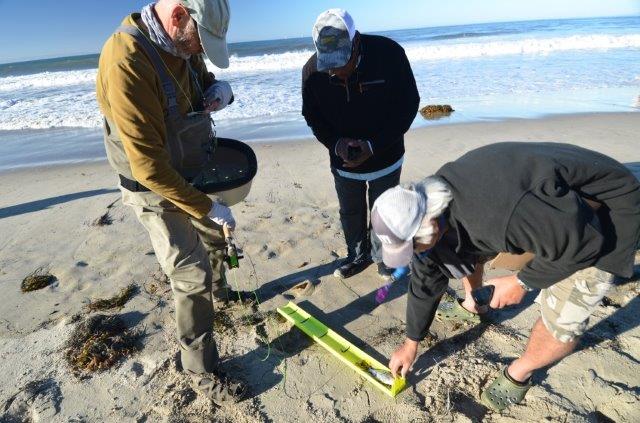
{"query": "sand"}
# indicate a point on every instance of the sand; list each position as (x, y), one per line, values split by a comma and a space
(69, 220)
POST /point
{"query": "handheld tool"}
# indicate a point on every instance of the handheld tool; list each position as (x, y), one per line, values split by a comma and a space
(231, 255)
(483, 295)
(353, 152)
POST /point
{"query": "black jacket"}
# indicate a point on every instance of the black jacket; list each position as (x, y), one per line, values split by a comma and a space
(517, 197)
(378, 104)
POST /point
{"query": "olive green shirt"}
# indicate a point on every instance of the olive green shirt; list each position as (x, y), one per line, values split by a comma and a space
(130, 95)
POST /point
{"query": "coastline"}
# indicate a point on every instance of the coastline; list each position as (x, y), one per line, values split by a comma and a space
(421, 127)
(289, 228)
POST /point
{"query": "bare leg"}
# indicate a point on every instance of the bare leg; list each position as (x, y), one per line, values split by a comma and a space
(543, 349)
(470, 283)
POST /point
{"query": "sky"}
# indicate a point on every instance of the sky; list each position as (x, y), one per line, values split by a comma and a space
(55, 28)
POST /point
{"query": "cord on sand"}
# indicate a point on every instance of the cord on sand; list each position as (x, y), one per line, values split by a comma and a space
(268, 322)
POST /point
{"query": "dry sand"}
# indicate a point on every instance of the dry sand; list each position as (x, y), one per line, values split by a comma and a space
(290, 232)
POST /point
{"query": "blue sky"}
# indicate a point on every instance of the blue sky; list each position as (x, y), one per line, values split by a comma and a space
(54, 28)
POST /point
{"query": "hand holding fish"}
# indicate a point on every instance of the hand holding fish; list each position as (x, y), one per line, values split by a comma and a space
(403, 358)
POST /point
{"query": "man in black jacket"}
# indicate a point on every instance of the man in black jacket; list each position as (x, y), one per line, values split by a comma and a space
(576, 210)
(359, 97)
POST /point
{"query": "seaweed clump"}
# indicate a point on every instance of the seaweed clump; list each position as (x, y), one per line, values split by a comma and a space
(104, 220)
(117, 301)
(100, 342)
(436, 111)
(37, 280)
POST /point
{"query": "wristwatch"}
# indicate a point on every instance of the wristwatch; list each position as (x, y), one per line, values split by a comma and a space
(524, 285)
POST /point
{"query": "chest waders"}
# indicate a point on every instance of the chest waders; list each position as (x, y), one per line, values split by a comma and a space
(190, 140)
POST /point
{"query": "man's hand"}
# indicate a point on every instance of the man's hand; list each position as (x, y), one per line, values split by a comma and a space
(218, 96)
(362, 153)
(342, 148)
(403, 358)
(212, 107)
(508, 291)
(222, 215)
(361, 149)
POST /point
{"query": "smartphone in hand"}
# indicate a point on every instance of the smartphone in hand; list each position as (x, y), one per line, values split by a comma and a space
(483, 295)
(353, 153)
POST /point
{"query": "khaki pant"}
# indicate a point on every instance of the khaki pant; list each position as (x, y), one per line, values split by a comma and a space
(191, 253)
(566, 306)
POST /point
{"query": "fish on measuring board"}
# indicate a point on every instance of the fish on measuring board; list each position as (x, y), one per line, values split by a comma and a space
(381, 375)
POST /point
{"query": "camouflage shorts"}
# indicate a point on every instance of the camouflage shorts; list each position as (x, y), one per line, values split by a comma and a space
(566, 306)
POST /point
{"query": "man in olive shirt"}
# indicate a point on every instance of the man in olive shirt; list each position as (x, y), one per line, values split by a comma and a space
(156, 95)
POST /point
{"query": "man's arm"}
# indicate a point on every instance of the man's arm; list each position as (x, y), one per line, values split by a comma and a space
(205, 78)
(428, 283)
(403, 105)
(137, 111)
(216, 94)
(312, 113)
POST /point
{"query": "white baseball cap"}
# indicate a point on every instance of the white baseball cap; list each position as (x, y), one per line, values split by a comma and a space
(398, 214)
(395, 218)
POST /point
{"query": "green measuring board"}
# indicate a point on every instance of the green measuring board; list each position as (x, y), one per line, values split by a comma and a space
(351, 355)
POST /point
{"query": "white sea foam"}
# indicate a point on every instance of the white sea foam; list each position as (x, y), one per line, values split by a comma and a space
(268, 86)
(48, 80)
(440, 51)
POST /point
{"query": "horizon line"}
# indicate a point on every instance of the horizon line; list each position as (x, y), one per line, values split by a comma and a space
(76, 55)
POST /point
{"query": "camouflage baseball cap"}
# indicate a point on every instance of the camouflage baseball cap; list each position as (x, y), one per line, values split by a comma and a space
(333, 35)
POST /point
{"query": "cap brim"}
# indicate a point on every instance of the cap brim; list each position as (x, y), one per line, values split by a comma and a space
(397, 255)
(214, 47)
(333, 60)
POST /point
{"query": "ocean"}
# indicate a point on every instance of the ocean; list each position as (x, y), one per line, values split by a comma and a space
(49, 114)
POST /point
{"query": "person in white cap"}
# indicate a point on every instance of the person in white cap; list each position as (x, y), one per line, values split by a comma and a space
(156, 96)
(359, 97)
(575, 210)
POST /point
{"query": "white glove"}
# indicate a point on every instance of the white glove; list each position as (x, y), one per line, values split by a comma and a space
(221, 92)
(222, 215)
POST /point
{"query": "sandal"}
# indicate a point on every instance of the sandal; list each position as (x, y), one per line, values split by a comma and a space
(218, 387)
(453, 311)
(503, 392)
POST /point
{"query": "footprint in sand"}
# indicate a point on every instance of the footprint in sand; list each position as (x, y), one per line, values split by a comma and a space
(303, 289)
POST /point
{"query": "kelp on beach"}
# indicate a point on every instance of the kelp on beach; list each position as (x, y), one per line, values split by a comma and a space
(100, 342)
(117, 301)
(37, 280)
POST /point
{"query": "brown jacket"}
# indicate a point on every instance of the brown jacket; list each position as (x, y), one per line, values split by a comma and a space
(130, 95)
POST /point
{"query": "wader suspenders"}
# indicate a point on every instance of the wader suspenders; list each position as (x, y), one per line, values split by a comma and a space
(167, 84)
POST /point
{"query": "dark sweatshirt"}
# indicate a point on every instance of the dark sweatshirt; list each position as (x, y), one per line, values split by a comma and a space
(529, 197)
(377, 105)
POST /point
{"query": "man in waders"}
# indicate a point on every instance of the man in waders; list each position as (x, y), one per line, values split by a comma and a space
(576, 212)
(359, 97)
(156, 97)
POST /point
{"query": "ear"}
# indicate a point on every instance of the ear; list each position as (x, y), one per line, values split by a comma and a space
(179, 16)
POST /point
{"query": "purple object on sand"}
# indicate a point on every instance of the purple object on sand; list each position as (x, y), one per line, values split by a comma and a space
(398, 274)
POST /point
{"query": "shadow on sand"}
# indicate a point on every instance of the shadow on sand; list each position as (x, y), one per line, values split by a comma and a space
(277, 286)
(294, 342)
(264, 374)
(34, 206)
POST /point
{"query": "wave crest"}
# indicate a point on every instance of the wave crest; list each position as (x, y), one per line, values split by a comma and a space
(425, 52)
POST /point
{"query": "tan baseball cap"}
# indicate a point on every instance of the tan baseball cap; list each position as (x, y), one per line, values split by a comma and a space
(212, 17)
